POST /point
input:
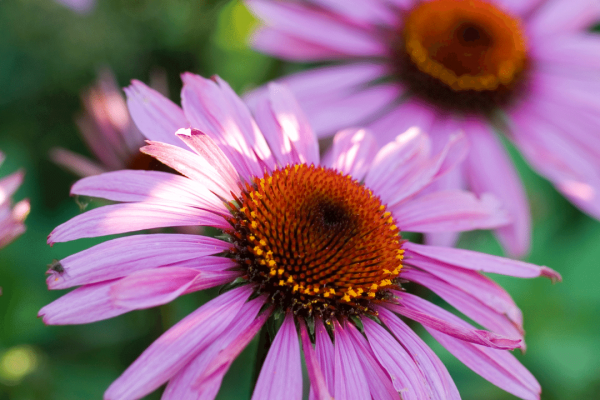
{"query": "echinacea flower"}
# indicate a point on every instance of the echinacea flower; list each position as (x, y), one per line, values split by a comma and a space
(526, 68)
(315, 246)
(11, 216)
(108, 131)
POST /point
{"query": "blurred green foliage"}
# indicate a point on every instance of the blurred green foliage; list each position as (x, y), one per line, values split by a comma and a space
(48, 54)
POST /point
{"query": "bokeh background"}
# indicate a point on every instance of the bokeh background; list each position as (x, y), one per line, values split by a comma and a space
(49, 54)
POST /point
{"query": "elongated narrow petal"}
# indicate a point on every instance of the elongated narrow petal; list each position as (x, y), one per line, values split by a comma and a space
(482, 262)
(130, 217)
(405, 375)
(281, 373)
(157, 117)
(202, 376)
(433, 369)
(325, 355)
(352, 152)
(157, 286)
(435, 317)
(451, 211)
(77, 164)
(178, 346)
(317, 380)
(350, 380)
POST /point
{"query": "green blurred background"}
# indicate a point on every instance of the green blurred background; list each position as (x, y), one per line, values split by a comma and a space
(49, 54)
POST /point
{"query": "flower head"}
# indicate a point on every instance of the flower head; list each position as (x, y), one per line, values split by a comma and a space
(316, 246)
(11, 216)
(527, 69)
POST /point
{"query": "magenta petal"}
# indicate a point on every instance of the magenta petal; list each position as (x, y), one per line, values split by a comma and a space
(83, 305)
(9, 185)
(380, 383)
(194, 167)
(281, 374)
(432, 316)
(490, 170)
(406, 376)
(433, 369)
(325, 355)
(468, 304)
(497, 366)
(317, 380)
(350, 380)
(352, 152)
(554, 17)
(157, 117)
(201, 377)
(482, 262)
(151, 186)
(178, 346)
(129, 217)
(153, 287)
(450, 211)
(120, 257)
(77, 164)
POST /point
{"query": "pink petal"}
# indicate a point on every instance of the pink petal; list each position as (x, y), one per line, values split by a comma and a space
(157, 117)
(77, 164)
(352, 152)
(317, 380)
(120, 257)
(317, 27)
(572, 51)
(380, 383)
(476, 261)
(194, 167)
(406, 115)
(490, 170)
(325, 355)
(450, 210)
(201, 377)
(213, 108)
(151, 186)
(9, 185)
(406, 376)
(286, 129)
(497, 366)
(281, 373)
(430, 315)
(477, 285)
(518, 7)
(433, 369)
(350, 380)
(558, 16)
(130, 217)
(178, 346)
(466, 303)
(153, 287)
(366, 13)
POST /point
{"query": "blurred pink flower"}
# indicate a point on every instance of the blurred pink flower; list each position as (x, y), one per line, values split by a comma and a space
(526, 68)
(315, 246)
(11, 216)
(108, 131)
(79, 6)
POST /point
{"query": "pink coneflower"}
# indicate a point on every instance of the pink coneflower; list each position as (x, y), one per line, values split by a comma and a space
(11, 217)
(526, 68)
(317, 247)
(108, 131)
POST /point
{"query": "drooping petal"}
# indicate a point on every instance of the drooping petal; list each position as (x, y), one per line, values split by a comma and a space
(497, 366)
(317, 380)
(431, 366)
(476, 261)
(194, 167)
(350, 380)
(281, 374)
(157, 117)
(129, 217)
(151, 186)
(120, 257)
(178, 346)
(325, 355)
(352, 151)
(202, 377)
(77, 164)
(490, 170)
(153, 287)
(406, 377)
(450, 210)
(83, 305)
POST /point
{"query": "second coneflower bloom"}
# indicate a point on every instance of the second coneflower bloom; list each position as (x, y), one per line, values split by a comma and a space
(316, 246)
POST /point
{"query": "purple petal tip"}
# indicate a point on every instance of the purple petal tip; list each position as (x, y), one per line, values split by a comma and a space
(552, 274)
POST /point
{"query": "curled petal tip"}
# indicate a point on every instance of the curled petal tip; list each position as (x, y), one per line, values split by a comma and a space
(552, 274)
